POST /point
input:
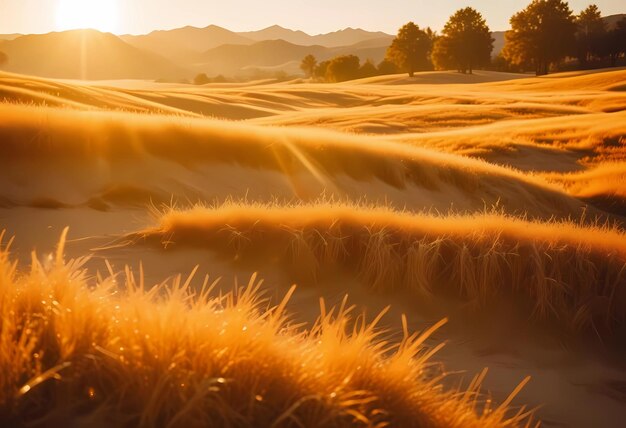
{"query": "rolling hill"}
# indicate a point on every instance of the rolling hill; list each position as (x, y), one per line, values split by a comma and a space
(181, 44)
(85, 54)
(235, 59)
(612, 20)
(497, 205)
(276, 32)
(9, 36)
(345, 37)
(215, 50)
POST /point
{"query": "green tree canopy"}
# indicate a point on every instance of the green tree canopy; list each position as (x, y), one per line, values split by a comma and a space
(410, 50)
(308, 65)
(465, 42)
(540, 35)
(590, 35)
(342, 68)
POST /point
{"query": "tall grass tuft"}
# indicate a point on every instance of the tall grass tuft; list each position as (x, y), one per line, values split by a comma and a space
(569, 272)
(110, 351)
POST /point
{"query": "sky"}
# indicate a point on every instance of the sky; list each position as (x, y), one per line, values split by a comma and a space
(311, 16)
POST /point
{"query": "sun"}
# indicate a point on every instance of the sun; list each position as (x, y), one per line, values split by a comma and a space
(96, 14)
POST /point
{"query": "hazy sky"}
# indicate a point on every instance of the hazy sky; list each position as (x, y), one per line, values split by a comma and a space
(312, 16)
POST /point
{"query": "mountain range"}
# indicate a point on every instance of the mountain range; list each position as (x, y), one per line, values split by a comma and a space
(85, 54)
(184, 52)
(180, 53)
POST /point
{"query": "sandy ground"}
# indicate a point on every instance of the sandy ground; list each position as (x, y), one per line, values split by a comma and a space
(490, 139)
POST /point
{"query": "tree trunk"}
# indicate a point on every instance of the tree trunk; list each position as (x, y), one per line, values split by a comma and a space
(541, 69)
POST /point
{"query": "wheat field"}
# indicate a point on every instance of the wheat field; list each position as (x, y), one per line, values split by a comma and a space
(482, 212)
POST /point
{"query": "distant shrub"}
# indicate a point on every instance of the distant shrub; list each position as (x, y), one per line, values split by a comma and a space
(368, 69)
(308, 65)
(201, 79)
(342, 68)
(219, 79)
(387, 67)
(321, 69)
(500, 63)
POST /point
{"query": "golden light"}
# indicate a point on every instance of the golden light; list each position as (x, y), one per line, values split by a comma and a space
(96, 14)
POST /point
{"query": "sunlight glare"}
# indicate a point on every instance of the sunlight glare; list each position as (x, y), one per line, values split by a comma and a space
(99, 15)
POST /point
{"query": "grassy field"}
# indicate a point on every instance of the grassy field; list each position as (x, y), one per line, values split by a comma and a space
(493, 201)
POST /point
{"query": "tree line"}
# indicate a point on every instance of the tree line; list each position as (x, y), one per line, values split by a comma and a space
(542, 36)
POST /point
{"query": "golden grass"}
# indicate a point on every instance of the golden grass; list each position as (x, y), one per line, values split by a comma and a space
(572, 273)
(99, 353)
(607, 179)
(147, 149)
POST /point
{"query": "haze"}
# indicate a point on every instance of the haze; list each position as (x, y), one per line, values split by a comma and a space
(142, 16)
(276, 214)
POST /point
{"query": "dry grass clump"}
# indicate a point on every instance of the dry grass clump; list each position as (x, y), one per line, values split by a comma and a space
(94, 353)
(608, 179)
(572, 273)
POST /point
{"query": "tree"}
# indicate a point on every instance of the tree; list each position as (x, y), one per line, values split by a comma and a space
(368, 69)
(499, 63)
(387, 67)
(614, 44)
(342, 68)
(590, 34)
(321, 69)
(411, 48)
(540, 35)
(465, 42)
(308, 65)
(442, 55)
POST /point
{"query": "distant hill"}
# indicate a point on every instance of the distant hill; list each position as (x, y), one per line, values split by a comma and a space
(612, 20)
(346, 37)
(233, 59)
(176, 54)
(373, 43)
(498, 42)
(182, 44)
(9, 36)
(86, 54)
(276, 32)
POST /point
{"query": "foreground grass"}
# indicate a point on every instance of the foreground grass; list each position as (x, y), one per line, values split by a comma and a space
(572, 273)
(89, 351)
